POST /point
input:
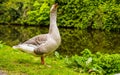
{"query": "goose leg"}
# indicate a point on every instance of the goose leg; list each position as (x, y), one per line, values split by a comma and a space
(42, 60)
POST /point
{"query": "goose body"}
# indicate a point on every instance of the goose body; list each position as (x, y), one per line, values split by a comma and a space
(43, 44)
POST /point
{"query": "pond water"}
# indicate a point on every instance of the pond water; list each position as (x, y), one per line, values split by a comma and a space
(73, 40)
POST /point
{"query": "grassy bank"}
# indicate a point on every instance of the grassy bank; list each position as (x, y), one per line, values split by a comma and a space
(19, 63)
(15, 62)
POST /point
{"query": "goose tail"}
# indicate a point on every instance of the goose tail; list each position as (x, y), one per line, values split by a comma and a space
(25, 48)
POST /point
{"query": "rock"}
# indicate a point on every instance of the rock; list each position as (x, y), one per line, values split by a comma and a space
(2, 73)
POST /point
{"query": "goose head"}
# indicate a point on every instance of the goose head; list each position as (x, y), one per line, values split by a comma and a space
(54, 7)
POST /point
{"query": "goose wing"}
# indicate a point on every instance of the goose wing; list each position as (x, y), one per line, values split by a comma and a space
(37, 40)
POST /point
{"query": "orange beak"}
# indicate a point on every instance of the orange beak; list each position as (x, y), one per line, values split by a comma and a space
(56, 5)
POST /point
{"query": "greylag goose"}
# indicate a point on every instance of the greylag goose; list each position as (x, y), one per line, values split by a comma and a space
(42, 45)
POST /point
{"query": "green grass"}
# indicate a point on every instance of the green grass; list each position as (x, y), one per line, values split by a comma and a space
(15, 62)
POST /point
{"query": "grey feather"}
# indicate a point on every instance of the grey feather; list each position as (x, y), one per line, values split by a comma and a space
(37, 40)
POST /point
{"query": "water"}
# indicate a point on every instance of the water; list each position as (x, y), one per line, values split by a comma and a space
(73, 40)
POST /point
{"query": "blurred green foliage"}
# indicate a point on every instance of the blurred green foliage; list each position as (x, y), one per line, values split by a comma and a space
(92, 14)
(100, 14)
(39, 14)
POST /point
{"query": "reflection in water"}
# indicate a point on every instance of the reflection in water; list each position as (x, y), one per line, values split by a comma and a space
(73, 40)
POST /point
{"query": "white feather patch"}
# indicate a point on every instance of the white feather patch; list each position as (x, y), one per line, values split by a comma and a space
(29, 48)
